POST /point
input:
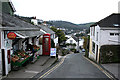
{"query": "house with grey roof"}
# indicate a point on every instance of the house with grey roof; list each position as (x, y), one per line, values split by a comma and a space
(72, 42)
(105, 32)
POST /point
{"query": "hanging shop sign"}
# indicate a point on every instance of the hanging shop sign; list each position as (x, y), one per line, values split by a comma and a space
(11, 35)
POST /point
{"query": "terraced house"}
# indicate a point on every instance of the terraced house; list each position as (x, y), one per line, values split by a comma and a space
(105, 39)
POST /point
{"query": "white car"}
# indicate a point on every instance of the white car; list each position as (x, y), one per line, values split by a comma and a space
(83, 50)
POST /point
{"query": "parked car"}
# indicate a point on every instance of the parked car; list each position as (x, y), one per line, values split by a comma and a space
(83, 50)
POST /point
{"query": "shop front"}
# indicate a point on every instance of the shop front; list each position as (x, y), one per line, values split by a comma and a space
(15, 36)
(25, 51)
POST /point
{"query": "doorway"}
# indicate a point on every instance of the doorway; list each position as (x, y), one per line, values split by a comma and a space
(96, 52)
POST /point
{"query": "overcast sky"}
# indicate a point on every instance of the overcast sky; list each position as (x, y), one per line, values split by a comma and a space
(75, 11)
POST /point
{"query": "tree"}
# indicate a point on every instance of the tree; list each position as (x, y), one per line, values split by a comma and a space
(86, 45)
(54, 29)
(85, 42)
(60, 34)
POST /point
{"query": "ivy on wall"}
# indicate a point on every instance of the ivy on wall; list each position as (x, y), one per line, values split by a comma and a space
(110, 54)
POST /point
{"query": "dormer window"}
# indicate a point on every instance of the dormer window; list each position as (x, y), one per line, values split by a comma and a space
(114, 34)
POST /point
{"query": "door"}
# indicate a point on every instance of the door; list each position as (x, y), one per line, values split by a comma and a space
(96, 52)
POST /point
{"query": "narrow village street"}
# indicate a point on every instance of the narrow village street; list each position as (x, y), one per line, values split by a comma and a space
(63, 43)
(75, 66)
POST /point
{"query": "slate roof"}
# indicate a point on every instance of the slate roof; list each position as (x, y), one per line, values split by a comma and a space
(9, 21)
(112, 21)
(46, 29)
(75, 38)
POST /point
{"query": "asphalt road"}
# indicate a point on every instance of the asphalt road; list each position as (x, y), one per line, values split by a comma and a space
(75, 66)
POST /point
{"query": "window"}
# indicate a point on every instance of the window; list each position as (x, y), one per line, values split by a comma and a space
(93, 31)
(111, 34)
(117, 34)
(97, 37)
(71, 41)
(114, 34)
(93, 47)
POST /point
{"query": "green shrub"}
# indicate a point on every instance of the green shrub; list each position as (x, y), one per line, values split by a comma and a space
(86, 53)
(73, 50)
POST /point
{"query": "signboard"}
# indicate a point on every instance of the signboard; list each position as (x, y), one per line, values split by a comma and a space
(53, 52)
(11, 35)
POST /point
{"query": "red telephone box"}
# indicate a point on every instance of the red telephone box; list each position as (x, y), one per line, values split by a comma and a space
(46, 44)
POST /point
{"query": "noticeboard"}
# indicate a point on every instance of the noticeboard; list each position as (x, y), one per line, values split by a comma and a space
(53, 52)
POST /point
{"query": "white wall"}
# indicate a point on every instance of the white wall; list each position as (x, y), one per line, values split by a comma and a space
(56, 41)
(106, 39)
(34, 21)
(2, 40)
(95, 40)
(73, 41)
(68, 36)
(81, 42)
(30, 41)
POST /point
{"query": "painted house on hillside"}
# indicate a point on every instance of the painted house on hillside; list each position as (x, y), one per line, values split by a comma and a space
(105, 33)
(71, 42)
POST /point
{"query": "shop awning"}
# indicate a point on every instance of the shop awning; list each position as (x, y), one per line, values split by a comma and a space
(26, 34)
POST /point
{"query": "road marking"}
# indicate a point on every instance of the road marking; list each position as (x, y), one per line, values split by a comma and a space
(52, 69)
(106, 73)
(32, 71)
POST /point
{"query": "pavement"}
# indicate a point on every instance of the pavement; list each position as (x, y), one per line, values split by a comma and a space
(31, 70)
(113, 68)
